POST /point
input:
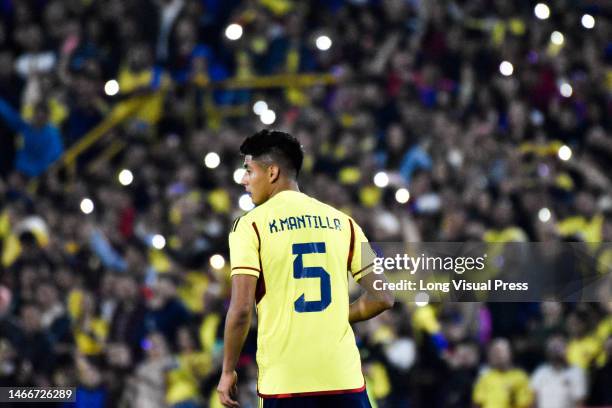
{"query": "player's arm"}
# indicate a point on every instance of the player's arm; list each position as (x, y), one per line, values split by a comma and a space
(12, 118)
(246, 268)
(360, 264)
(237, 325)
(372, 302)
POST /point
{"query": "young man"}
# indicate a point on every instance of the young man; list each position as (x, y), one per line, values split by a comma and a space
(291, 255)
(557, 384)
(42, 141)
(501, 385)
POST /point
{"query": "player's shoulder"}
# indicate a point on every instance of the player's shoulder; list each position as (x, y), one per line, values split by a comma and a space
(235, 223)
(247, 218)
(331, 210)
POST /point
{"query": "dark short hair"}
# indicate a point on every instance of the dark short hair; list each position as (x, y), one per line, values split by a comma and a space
(282, 147)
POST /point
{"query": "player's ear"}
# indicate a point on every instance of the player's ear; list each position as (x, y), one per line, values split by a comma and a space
(274, 173)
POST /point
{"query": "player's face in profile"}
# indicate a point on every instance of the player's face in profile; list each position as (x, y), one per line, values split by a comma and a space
(255, 180)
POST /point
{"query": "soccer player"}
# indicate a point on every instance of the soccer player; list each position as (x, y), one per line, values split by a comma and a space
(291, 256)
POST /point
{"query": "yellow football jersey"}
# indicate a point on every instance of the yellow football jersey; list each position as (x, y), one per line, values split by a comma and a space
(301, 251)
(503, 389)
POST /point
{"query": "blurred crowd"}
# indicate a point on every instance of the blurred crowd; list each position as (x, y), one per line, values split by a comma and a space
(483, 120)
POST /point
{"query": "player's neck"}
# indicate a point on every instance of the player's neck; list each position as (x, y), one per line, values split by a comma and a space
(285, 185)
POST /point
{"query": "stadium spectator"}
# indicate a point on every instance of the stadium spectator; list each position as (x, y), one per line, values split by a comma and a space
(601, 394)
(557, 384)
(166, 313)
(150, 383)
(583, 346)
(33, 346)
(42, 142)
(463, 364)
(10, 88)
(502, 385)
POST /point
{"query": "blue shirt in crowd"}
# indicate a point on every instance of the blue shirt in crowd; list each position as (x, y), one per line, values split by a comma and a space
(41, 146)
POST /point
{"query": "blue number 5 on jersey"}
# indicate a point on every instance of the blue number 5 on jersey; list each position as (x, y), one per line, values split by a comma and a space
(302, 305)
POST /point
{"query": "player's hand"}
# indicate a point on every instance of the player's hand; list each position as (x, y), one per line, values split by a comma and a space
(228, 389)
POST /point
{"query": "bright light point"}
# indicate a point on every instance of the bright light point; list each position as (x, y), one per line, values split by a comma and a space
(260, 107)
(233, 31)
(245, 203)
(557, 38)
(402, 196)
(323, 43)
(111, 88)
(126, 177)
(421, 299)
(506, 68)
(158, 241)
(588, 21)
(544, 214)
(565, 153)
(212, 160)
(541, 11)
(238, 175)
(381, 179)
(217, 261)
(566, 90)
(268, 117)
(87, 206)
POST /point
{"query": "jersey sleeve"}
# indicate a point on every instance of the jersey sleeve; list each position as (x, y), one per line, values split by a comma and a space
(361, 259)
(244, 249)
